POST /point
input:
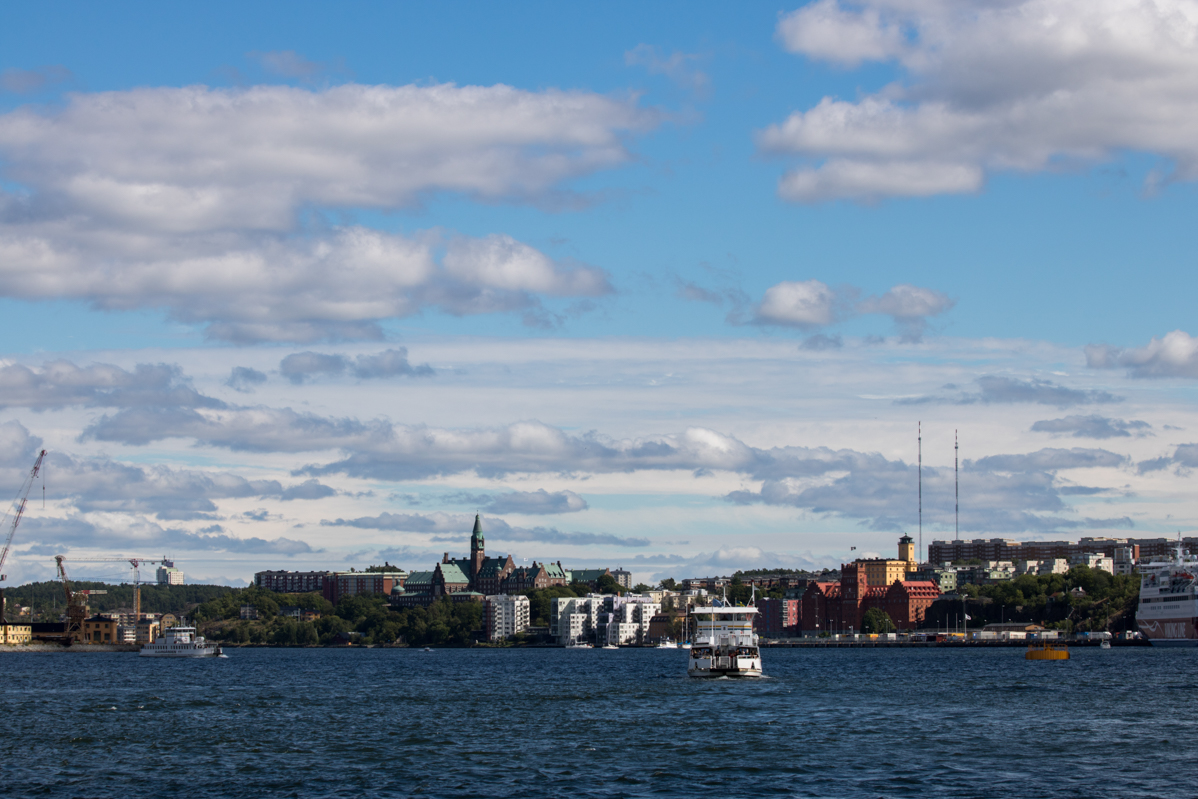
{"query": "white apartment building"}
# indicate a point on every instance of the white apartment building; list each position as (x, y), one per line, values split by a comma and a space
(627, 619)
(169, 575)
(1055, 566)
(574, 619)
(505, 615)
(1094, 562)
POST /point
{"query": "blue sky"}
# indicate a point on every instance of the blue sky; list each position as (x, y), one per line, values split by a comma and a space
(798, 229)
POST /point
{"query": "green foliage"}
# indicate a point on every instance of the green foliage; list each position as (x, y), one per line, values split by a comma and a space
(386, 567)
(48, 598)
(1108, 603)
(669, 584)
(606, 584)
(540, 600)
(641, 588)
(877, 620)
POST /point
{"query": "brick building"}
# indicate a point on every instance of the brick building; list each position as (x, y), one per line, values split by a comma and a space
(285, 582)
(340, 584)
(988, 549)
(777, 618)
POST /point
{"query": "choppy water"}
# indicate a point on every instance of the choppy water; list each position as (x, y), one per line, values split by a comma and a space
(595, 723)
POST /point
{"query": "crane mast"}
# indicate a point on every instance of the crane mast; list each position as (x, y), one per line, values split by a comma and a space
(17, 512)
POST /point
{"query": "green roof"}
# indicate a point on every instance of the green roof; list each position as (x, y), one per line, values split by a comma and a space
(452, 574)
(587, 575)
(418, 580)
(553, 570)
(477, 534)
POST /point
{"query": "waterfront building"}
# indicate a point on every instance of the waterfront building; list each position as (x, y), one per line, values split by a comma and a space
(168, 574)
(1037, 567)
(285, 582)
(11, 634)
(504, 615)
(99, 630)
(147, 631)
(836, 607)
(625, 620)
(777, 618)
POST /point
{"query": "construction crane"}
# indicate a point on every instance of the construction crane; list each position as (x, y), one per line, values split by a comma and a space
(76, 603)
(136, 563)
(18, 508)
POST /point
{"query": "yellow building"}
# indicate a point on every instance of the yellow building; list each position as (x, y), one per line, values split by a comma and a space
(99, 630)
(15, 634)
(147, 631)
(880, 571)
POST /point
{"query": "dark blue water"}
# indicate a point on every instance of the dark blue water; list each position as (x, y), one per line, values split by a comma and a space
(595, 723)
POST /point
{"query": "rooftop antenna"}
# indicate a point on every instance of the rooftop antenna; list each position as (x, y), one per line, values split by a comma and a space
(919, 433)
(956, 489)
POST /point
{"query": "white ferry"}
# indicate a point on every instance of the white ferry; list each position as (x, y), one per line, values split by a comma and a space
(724, 644)
(180, 642)
(1168, 611)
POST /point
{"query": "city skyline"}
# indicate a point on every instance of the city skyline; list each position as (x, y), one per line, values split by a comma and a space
(670, 289)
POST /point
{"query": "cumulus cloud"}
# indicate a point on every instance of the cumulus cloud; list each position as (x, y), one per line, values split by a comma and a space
(309, 489)
(243, 379)
(1022, 85)
(1093, 426)
(1011, 390)
(59, 384)
(189, 200)
(1173, 355)
(812, 304)
(536, 502)
(1185, 456)
(495, 529)
(300, 366)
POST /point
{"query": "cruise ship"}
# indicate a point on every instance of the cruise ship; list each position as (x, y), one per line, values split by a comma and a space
(180, 642)
(724, 643)
(1168, 611)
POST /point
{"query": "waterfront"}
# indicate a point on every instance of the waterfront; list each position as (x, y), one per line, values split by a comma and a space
(581, 723)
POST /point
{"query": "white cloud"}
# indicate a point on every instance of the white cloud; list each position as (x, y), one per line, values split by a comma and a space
(190, 200)
(1173, 355)
(1020, 85)
(677, 66)
(824, 31)
(811, 304)
(803, 304)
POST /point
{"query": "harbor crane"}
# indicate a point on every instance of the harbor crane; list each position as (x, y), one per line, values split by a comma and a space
(136, 563)
(18, 509)
(76, 603)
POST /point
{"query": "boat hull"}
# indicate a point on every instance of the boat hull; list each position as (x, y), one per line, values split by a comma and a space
(207, 653)
(1169, 632)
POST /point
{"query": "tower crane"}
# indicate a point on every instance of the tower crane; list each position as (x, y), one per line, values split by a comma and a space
(18, 509)
(136, 563)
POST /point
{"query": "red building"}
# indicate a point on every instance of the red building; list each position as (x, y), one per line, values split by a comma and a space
(777, 618)
(840, 607)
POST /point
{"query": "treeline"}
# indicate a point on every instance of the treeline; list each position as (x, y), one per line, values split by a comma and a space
(48, 599)
(1108, 602)
(363, 619)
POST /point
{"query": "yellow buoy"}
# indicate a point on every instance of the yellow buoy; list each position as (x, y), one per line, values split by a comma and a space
(1046, 651)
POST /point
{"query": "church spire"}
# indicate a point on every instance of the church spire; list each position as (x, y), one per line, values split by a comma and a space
(477, 536)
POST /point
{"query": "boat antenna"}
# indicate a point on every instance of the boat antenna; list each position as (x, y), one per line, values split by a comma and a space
(956, 489)
(919, 440)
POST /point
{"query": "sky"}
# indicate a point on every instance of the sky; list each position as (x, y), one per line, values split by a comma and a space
(677, 288)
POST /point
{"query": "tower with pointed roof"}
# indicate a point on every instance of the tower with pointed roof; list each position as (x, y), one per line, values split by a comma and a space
(478, 554)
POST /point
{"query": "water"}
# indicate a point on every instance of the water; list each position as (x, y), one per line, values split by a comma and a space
(595, 723)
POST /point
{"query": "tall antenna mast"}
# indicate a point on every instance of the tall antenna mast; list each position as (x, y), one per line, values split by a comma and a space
(956, 489)
(919, 433)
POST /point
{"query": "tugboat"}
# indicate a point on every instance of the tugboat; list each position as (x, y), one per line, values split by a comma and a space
(180, 642)
(724, 643)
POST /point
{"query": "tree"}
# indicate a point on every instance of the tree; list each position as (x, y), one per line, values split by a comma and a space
(641, 588)
(877, 620)
(606, 584)
(669, 584)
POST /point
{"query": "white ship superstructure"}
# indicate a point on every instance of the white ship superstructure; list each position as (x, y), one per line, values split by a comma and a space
(180, 642)
(724, 643)
(1168, 611)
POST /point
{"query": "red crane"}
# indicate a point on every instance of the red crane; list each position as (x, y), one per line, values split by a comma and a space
(17, 511)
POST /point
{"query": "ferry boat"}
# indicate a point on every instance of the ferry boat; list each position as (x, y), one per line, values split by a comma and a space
(1168, 611)
(180, 642)
(724, 644)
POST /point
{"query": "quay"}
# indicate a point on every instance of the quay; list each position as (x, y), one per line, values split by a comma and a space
(849, 643)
